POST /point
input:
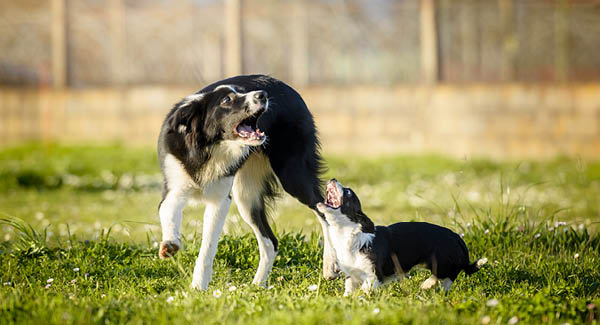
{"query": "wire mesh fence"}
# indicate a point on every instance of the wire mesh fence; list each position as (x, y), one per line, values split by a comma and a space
(315, 42)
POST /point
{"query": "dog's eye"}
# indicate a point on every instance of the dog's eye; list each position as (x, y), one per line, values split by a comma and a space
(226, 100)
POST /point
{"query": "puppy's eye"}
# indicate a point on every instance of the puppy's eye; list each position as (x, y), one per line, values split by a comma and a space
(226, 100)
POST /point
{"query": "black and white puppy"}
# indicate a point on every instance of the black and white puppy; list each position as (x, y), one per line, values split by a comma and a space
(241, 137)
(370, 255)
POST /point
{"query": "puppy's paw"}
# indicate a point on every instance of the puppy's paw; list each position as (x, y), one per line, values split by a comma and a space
(331, 270)
(168, 248)
(429, 283)
(330, 274)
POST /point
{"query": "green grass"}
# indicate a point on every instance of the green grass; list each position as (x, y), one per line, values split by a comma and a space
(94, 209)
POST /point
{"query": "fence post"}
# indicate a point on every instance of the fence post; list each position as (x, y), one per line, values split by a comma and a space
(117, 40)
(561, 41)
(509, 42)
(233, 37)
(429, 42)
(59, 44)
(299, 53)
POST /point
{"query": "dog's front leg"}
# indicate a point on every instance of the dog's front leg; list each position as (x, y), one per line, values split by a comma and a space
(371, 282)
(170, 212)
(217, 205)
(351, 284)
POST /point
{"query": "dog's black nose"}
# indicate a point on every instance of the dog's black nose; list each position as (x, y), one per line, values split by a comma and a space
(261, 96)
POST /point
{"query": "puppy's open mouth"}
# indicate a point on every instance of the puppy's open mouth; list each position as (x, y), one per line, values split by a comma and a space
(334, 194)
(248, 131)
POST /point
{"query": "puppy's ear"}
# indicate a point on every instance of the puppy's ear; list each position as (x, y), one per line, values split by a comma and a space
(181, 117)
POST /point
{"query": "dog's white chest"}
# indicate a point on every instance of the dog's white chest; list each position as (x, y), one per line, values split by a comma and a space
(347, 243)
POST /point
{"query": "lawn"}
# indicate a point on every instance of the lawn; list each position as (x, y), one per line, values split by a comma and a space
(79, 236)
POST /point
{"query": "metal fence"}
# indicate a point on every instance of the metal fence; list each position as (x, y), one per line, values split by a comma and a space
(310, 42)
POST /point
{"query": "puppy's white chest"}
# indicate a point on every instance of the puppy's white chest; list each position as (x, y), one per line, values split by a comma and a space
(347, 246)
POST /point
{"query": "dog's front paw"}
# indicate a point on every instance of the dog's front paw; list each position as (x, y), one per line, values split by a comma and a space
(168, 248)
(197, 285)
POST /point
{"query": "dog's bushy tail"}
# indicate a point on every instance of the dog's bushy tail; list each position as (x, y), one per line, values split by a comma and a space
(474, 267)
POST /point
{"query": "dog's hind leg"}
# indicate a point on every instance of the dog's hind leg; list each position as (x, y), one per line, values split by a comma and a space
(330, 270)
(254, 184)
(217, 199)
(299, 176)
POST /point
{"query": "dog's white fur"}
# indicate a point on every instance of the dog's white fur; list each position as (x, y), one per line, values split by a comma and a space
(347, 239)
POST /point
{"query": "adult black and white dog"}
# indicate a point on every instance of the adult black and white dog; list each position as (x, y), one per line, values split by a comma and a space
(241, 137)
(370, 256)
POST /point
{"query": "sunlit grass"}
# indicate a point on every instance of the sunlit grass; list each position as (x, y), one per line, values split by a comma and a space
(86, 217)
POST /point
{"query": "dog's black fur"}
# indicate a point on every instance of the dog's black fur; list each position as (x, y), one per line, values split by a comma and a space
(401, 246)
(441, 250)
(193, 127)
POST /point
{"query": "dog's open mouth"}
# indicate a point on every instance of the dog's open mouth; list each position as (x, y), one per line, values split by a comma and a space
(334, 194)
(248, 131)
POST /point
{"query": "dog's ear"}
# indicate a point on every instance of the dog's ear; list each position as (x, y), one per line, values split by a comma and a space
(366, 225)
(181, 118)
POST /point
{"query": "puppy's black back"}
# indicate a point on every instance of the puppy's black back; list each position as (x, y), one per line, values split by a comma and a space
(413, 243)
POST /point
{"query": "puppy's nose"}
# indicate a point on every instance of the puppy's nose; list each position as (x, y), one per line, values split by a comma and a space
(261, 96)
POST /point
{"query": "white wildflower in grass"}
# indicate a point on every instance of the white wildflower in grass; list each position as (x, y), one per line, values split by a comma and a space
(72, 297)
(103, 296)
(76, 269)
(50, 280)
(576, 255)
(217, 293)
(559, 224)
(170, 299)
(487, 231)
(6, 284)
(492, 302)
(313, 287)
(538, 235)
(74, 281)
(270, 287)
(513, 320)
(581, 227)
(232, 288)
(376, 311)
(468, 225)
(486, 320)
(47, 285)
